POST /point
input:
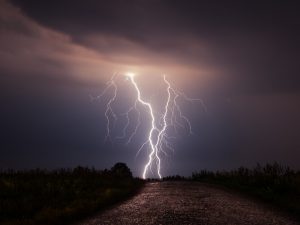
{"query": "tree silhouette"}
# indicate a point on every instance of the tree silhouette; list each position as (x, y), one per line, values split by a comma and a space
(121, 170)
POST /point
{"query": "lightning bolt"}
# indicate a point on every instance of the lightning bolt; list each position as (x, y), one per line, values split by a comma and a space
(158, 139)
(111, 84)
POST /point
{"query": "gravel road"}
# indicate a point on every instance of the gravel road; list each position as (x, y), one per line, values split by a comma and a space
(189, 203)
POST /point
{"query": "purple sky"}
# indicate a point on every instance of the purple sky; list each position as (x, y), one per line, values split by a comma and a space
(241, 58)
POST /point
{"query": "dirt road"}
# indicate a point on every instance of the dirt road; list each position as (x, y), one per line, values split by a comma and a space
(189, 203)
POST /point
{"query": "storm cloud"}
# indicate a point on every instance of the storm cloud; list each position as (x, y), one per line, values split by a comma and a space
(242, 58)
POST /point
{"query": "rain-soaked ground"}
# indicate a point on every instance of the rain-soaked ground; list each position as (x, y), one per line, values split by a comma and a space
(189, 203)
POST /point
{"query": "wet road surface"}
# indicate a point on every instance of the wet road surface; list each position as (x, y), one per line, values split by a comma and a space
(189, 203)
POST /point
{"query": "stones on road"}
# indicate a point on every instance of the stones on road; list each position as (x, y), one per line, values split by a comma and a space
(186, 203)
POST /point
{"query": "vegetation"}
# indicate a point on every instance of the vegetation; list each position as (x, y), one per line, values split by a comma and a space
(66, 195)
(273, 183)
(61, 196)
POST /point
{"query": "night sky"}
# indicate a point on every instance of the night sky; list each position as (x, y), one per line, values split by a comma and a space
(240, 57)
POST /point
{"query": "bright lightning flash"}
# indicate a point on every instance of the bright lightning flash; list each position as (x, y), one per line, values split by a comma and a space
(158, 139)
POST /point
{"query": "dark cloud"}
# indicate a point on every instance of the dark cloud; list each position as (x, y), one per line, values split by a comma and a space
(254, 44)
(159, 17)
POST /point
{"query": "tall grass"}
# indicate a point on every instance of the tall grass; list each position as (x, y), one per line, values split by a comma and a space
(60, 196)
(273, 183)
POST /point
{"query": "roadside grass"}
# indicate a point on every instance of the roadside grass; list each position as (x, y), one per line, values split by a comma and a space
(273, 183)
(61, 196)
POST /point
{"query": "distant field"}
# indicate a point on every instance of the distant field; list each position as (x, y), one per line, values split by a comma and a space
(61, 196)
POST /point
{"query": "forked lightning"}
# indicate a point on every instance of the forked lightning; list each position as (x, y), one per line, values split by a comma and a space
(158, 139)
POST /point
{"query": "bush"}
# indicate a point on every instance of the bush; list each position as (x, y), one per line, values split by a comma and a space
(121, 170)
(60, 196)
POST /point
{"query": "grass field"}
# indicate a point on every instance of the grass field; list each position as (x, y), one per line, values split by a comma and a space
(61, 196)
